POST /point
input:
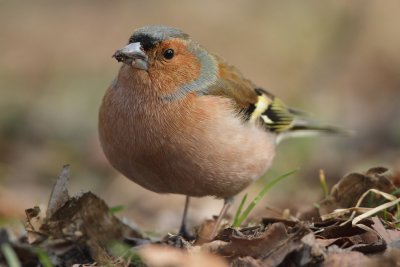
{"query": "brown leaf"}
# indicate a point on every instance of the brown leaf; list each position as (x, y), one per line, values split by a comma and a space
(349, 189)
(163, 256)
(368, 242)
(59, 195)
(380, 229)
(290, 223)
(337, 230)
(351, 238)
(345, 259)
(241, 245)
(389, 259)
(246, 262)
(326, 242)
(87, 215)
(271, 247)
(79, 230)
(34, 221)
(391, 236)
(204, 232)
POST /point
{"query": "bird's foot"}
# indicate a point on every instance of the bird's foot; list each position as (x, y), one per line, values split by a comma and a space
(184, 233)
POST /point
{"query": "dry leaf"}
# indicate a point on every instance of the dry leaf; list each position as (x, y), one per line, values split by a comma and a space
(351, 187)
(59, 195)
(163, 256)
(345, 259)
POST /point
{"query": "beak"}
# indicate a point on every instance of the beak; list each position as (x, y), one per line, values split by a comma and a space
(133, 55)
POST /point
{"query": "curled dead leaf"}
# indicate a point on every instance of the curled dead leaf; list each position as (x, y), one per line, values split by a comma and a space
(351, 187)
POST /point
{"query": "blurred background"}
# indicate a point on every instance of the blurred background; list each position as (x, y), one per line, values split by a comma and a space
(339, 60)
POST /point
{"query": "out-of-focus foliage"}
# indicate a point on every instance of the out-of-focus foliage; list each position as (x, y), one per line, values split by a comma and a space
(339, 60)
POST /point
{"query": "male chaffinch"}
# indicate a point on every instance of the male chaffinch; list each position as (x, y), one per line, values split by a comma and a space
(178, 119)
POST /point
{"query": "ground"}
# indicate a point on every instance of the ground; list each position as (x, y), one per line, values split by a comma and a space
(356, 224)
(338, 60)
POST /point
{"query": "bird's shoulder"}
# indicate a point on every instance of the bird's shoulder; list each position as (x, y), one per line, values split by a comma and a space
(232, 84)
(257, 103)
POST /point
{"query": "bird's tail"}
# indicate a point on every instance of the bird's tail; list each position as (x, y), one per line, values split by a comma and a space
(305, 129)
(288, 122)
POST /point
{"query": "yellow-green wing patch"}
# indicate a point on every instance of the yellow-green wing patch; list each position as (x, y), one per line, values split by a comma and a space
(272, 111)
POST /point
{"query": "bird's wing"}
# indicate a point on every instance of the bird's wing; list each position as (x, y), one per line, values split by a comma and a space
(259, 105)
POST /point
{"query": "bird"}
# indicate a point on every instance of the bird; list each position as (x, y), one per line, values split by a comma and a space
(178, 119)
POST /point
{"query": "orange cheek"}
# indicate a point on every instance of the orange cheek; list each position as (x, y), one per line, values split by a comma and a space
(170, 76)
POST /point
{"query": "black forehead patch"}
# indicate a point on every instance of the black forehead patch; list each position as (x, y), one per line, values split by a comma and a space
(146, 41)
(149, 36)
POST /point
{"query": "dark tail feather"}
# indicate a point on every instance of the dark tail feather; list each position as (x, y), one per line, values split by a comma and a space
(303, 130)
(329, 129)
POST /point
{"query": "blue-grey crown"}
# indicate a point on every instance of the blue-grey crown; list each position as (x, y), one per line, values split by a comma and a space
(149, 36)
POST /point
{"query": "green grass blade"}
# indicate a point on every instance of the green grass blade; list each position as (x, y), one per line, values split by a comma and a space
(43, 258)
(260, 195)
(239, 211)
(116, 209)
(129, 254)
(395, 192)
(322, 181)
(10, 256)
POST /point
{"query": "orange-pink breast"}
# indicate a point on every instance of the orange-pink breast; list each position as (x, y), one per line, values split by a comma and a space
(194, 146)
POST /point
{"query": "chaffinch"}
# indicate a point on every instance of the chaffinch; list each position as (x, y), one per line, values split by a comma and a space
(178, 119)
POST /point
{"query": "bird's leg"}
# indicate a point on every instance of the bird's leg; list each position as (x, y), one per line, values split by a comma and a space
(182, 230)
(227, 203)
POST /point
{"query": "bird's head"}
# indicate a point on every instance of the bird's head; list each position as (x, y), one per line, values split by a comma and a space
(169, 55)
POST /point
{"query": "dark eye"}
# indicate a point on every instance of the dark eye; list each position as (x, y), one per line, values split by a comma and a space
(168, 54)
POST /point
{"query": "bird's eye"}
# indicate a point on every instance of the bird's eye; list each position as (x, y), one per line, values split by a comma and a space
(168, 54)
